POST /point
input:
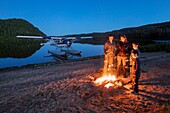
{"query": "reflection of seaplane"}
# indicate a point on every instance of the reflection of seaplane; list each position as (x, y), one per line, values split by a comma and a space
(60, 42)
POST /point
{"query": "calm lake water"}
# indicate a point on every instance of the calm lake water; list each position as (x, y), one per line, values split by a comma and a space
(42, 55)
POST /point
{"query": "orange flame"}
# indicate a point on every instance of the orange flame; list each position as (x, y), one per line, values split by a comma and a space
(107, 78)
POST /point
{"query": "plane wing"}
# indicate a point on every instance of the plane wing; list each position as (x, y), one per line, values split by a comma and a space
(46, 37)
(54, 37)
(30, 37)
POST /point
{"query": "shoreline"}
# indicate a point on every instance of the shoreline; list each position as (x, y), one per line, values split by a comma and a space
(67, 61)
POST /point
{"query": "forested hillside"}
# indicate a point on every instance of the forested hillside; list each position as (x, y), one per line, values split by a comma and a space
(159, 31)
(13, 27)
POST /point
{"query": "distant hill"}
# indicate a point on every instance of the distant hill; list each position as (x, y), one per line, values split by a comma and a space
(142, 34)
(10, 46)
(13, 27)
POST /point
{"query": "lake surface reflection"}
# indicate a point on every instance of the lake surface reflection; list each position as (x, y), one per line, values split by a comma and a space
(42, 55)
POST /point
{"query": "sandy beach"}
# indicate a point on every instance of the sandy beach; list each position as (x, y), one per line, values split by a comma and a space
(64, 87)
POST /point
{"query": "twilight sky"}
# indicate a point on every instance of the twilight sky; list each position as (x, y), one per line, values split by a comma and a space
(62, 17)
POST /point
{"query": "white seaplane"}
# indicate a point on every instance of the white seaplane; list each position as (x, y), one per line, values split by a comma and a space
(60, 42)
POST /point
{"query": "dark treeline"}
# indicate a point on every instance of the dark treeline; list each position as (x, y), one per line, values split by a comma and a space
(143, 34)
(10, 46)
(146, 33)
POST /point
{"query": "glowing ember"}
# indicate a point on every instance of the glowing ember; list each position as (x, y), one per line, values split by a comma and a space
(109, 80)
(108, 85)
(118, 83)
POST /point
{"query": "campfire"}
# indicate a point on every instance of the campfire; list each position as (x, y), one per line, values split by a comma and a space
(108, 81)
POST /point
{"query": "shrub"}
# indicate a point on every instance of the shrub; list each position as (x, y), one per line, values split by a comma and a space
(155, 47)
